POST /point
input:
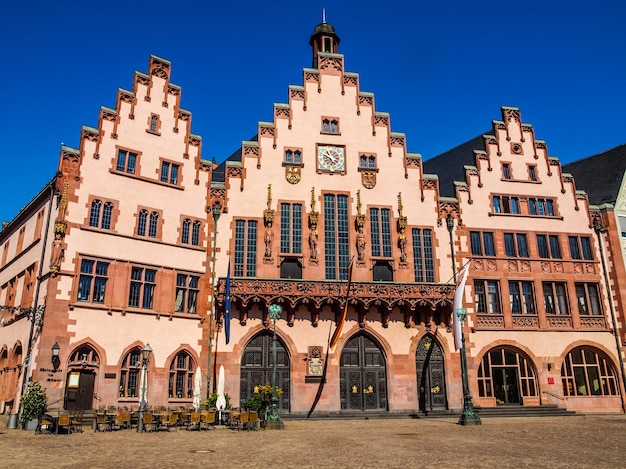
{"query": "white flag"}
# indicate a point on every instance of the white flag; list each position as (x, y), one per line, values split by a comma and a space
(458, 304)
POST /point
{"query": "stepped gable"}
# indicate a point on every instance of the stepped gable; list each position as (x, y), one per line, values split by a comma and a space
(601, 175)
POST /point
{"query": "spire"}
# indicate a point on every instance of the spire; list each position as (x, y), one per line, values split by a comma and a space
(324, 39)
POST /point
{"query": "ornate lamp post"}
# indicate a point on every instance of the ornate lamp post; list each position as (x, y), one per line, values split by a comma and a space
(273, 419)
(216, 211)
(468, 417)
(145, 358)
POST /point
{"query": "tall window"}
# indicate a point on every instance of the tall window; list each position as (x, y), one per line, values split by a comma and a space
(506, 170)
(539, 206)
(169, 172)
(291, 228)
(126, 161)
(549, 246)
(515, 244)
(588, 372)
(92, 281)
(186, 293)
(154, 121)
(482, 243)
(423, 255)
(505, 204)
(142, 286)
(195, 233)
(555, 298)
(185, 232)
(100, 215)
(487, 296)
(129, 374)
(522, 297)
(380, 227)
(532, 172)
(245, 248)
(336, 240)
(580, 247)
(181, 376)
(151, 223)
(588, 299)
(143, 220)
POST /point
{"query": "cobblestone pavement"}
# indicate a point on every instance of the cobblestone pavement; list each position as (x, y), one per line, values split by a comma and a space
(597, 441)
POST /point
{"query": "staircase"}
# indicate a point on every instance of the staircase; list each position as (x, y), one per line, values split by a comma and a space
(548, 410)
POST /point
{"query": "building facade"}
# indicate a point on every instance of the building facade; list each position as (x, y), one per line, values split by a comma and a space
(137, 238)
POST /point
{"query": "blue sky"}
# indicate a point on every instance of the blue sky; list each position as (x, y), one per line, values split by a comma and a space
(441, 69)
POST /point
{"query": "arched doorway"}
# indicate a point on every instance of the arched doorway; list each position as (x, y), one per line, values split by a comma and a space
(256, 368)
(81, 378)
(508, 375)
(363, 376)
(431, 382)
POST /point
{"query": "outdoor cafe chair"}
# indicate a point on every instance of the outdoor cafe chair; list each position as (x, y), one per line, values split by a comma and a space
(64, 422)
(194, 421)
(235, 419)
(76, 421)
(171, 421)
(149, 424)
(253, 420)
(45, 423)
(207, 420)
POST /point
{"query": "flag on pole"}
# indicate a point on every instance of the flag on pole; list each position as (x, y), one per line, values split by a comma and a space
(227, 306)
(458, 304)
(342, 320)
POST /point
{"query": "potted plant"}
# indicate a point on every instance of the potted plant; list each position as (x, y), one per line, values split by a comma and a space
(34, 404)
(212, 401)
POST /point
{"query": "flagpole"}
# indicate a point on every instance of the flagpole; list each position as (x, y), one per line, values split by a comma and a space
(468, 417)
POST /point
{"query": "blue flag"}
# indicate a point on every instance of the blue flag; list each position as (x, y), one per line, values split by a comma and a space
(227, 307)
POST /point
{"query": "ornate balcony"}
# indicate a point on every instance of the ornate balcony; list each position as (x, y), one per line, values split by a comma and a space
(315, 294)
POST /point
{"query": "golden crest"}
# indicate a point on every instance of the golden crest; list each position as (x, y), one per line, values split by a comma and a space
(292, 174)
(368, 179)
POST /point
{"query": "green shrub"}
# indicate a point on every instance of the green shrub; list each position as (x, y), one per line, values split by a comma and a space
(34, 403)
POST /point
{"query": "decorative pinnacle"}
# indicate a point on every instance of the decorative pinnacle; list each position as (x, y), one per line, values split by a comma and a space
(358, 202)
(313, 199)
(269, 196)
(400, 207)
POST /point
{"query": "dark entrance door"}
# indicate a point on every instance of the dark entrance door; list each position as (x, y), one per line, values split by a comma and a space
(79, 396)
(505, 383)
(431, 383)
(256, 368)
(363, 385)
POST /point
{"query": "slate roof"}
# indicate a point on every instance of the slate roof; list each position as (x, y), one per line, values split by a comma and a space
(450, 166)
(219, 173)
(600, 176)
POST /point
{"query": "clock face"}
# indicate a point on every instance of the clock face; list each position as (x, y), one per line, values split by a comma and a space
(330, 158)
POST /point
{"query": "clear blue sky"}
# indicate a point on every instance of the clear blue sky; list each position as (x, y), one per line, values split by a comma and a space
(441, 69)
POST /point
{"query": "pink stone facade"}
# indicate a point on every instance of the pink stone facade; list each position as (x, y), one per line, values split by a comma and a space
(129, 252)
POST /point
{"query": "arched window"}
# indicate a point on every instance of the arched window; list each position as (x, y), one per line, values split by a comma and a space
(154, 120)
(297, 157)
(141, 226)
(84, 355)
(94, 215)
(588, 372)
(154, 221)
(129, 374)
(106, 215)
(507, 375)
(195, 234)
(325, 126)
(185, 235)
(288, 156)
(334, 127)
(181, 376)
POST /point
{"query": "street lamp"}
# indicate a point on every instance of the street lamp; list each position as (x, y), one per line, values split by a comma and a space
(273, 419)
(216, 211)
(145, 358)
(55, 356)
(468, 417)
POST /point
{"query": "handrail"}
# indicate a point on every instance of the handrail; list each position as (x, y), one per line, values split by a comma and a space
(554, 395)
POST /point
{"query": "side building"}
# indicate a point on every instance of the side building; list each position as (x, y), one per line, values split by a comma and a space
(124, 263)
(540, 320)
